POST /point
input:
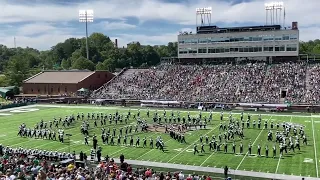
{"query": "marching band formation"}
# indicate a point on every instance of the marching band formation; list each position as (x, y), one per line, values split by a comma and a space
(287, 135)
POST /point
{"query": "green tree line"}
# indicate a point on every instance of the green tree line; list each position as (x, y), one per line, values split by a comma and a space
(17, 64)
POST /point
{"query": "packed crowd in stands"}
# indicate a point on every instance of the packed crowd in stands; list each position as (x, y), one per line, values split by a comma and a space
(248, 83)
(313, 87)
(17, 164)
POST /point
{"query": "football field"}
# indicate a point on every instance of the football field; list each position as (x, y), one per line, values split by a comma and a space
(300, 163)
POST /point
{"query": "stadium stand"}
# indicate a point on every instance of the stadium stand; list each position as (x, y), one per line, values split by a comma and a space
(249, 83)
(15, 164)
(313, 84)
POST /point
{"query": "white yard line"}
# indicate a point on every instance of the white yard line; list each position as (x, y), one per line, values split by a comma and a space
(192, 144)
(207, 158)
(315, 148)
(278, 164)
(280, 154)
(118, 151)
(252, 145)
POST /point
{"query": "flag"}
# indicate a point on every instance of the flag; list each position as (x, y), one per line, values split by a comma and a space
(284, 12)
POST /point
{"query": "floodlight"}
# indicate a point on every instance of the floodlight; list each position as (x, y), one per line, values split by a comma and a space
(204, 14)
(274, 4)
(274, 9)
(85, 15)
(206, 10)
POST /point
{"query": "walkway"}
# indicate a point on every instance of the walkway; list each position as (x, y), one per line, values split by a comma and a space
(215, 170)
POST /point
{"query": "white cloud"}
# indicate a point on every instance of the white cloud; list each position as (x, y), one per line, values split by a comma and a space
(42, 42)
(42, 18)
(106, 25)
(38, 28)
(155, 9)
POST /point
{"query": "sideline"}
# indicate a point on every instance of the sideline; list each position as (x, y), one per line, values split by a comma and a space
(315, 148)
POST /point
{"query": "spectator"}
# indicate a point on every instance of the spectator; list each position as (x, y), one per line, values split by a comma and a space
(247, 83)
(181, 176)
(148, 173)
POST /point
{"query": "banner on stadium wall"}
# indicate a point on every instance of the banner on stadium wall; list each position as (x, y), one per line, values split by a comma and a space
(263, 105)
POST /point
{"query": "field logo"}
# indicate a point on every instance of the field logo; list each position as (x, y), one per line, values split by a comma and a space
(181, 149)
(308, 160)
(24, 110)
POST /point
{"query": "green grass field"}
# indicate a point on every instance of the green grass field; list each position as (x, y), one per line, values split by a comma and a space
(303, 163)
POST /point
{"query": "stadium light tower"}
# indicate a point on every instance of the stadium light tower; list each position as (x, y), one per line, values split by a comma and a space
(205, 15)
(273, 9)
(86, 16)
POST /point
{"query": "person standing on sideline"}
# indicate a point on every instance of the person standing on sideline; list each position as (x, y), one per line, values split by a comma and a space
(226, 170)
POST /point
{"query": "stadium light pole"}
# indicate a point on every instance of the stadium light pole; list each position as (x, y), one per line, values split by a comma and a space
(205, 15)
(86, 16)
(273, 8)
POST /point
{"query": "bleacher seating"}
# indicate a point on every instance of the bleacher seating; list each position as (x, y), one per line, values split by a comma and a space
(18, 163)
(248, 83)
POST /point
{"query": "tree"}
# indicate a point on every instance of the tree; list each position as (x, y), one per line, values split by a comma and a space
(150, 56)
(17, 70)
(316, 49)
(309, 47)
(100, 66)
(4, 81)
(75, 55)
(101, 42)
(82, 63)
(109, 65)
(65, 63)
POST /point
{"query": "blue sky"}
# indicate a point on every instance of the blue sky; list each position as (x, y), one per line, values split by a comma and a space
(43, 23)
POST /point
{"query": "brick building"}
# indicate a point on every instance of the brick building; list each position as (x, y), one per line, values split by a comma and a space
(64, 82)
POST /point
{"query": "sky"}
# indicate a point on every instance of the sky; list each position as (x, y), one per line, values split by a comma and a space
(41, 24)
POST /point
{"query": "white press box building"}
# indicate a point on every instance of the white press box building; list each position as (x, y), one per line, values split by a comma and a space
(235, 42)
